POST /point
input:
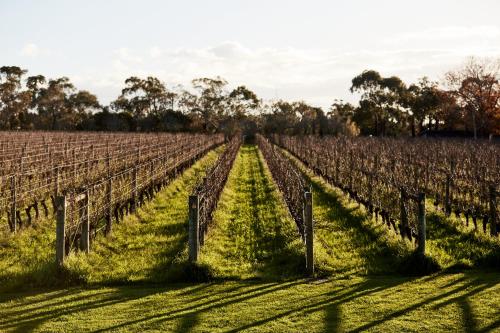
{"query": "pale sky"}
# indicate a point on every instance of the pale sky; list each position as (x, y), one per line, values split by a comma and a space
(294, 50)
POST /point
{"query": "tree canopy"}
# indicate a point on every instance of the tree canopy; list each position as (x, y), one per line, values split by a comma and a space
(468, 101)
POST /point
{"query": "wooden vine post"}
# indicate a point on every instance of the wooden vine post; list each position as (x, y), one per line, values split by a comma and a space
(493, 211)
(13, 205)
(421, 223)
(135, 191)
(60, 229)
(109, 199)
(404, 214)
(83, 209)
(194, 228)
(309, 232)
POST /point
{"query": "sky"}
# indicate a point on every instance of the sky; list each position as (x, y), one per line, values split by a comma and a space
(292, 50)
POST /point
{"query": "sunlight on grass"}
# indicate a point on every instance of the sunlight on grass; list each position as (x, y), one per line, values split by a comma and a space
(347, 240)
(141, 247)
(455, 245)
(144, 246)
(252, 234)
(439, 303)
(356, 243)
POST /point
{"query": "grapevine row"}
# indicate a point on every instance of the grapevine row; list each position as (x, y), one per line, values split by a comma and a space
(205, 196)
(288, 179)
(133, 161)
(385, 175)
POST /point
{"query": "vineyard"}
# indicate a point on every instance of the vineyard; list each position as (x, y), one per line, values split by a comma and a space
(390, 176)
(106, 208)
(250, 166)
(96, 178)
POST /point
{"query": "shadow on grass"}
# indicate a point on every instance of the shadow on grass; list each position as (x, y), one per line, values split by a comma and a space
(252, 236)
(465, 247)
(30, 320)
(469, 323)
(45, 273)
(366, 240)
(205, 301)
(193, 311)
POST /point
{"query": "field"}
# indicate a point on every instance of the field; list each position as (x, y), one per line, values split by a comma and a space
(251, 272)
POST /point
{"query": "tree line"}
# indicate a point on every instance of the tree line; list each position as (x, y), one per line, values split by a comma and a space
(466, 103)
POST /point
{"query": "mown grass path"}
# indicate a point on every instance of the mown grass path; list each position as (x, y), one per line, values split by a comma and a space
(252, 234)
(142, 247)
(145, 247)
(439, 303)
(346, 239)
(456, 246)
(356, 243)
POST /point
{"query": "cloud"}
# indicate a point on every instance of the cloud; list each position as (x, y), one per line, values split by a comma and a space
(126, 55)
(30, 50)
(317, 76)
(155, 52)
(449, 33)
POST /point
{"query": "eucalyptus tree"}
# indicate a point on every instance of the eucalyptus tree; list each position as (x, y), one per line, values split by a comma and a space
(242, 101)
(142, 98)
(242, 104)
(212, 102)
(281, 117)
(84, 105)
(340, 118)
(381, 103)
(54, 106)
(423, 100)
(14, 100)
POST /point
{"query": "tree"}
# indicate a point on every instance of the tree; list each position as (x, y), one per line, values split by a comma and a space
(423, 99)
(476, 87)
(381, 102)
(211, 101)
(448, 112)
(54, 105)
(281, 118)
(340, 118)
(14, 102)
(242, 101)
(142, 98)
(85, 104)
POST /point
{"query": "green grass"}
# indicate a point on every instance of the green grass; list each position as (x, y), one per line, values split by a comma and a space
(254, 256)
(252, 234)
(347, 241)
(364, 246)
(467, 302)
(143, 247)
(27, 259)
(456, 246)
